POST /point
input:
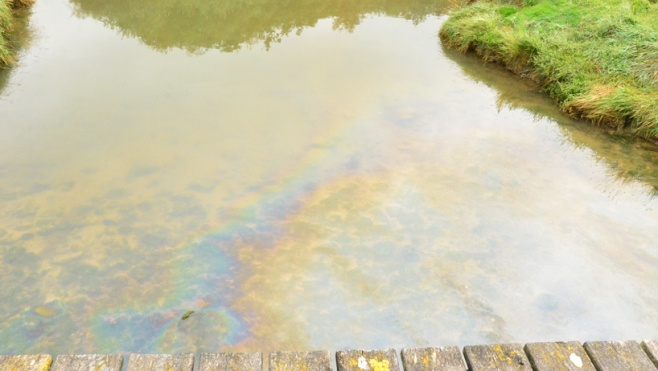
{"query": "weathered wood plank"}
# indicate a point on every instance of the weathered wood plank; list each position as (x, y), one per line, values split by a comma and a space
(651, 348)
(618, 356)
(367, 360)
(39, 362)
(498, 357)
(433, 359)
(160, 362)
(231, 362)
(300, 361)
(560, 356)
(88, 362)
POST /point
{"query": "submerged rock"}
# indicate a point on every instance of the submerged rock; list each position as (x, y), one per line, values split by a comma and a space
(187, 315)
(48, 310)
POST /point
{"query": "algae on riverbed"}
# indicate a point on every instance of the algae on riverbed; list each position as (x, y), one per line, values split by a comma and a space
(598, 59)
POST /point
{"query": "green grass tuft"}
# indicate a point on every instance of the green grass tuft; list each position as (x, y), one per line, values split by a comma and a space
(7, 8)
(597, 58)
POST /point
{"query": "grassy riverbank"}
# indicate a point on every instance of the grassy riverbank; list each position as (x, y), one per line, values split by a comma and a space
(7, 9)
(597, 58)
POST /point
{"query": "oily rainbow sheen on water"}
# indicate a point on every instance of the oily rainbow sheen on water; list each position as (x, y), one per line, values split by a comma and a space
(207, 273)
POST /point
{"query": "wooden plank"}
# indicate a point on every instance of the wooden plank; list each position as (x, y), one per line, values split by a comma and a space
(498, 357)
(560, 356)
(300, 361)
(367, 360)
(88, 362)
(618, 356)
(231, 362)
(39, 362)
(160, 362)
(651, 348)
(433, 359)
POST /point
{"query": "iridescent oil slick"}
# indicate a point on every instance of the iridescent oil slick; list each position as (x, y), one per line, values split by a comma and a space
(307, 175)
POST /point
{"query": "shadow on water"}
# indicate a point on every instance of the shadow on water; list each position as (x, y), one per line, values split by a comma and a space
(197, 25)
(4, 79)
(629, 159)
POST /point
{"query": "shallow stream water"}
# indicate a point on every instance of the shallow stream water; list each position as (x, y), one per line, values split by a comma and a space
(303, 175)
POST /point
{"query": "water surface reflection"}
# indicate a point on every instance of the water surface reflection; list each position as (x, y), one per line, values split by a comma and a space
(629, 159)
(228, 25)
(338, 189)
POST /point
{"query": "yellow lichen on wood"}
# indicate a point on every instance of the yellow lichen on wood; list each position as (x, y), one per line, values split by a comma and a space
(45, 366)
(367, 360)
(559, 356)
(507, 357)
(25, 363)
(376, 365)
(426, 362)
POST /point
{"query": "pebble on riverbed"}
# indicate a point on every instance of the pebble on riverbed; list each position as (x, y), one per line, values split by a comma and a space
(187, 315)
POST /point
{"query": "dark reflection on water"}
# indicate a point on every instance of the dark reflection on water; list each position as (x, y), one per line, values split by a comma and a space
(228, 25)
(627, 158)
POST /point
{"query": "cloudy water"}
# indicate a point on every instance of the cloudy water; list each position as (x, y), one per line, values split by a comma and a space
(303, 175)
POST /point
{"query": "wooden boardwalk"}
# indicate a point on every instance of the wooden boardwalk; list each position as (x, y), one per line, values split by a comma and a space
(561, 356)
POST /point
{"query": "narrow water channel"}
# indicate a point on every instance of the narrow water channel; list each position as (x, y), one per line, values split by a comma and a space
(303, 175)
